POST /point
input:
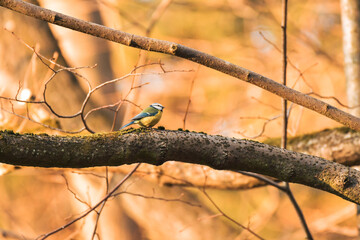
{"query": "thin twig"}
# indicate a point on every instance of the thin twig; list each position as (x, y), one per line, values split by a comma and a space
(264, 179)
(155, 17)
(159, 198)
(285, 119)
(73, 193)
(44, 236)
(228, 217)
(284, 71)
(301, 75)
(222, 213)
(298, 211)
(98, 213)
(189, 101)
(261, 133)
(286, 189)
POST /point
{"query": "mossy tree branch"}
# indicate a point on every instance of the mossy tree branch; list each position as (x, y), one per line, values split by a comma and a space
(341, 145)
(156, 45)
(158, 146)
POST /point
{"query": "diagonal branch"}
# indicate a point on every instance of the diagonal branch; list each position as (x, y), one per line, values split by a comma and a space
(155, 45)
(158, 146)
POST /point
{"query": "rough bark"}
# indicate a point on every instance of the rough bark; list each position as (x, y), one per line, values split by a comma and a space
(158, 146)
(155, 45)
(341, 145)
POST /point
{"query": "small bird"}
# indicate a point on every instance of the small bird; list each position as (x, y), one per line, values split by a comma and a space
(148, 117)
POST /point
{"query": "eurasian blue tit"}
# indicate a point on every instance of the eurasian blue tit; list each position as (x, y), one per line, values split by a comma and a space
(148, 117)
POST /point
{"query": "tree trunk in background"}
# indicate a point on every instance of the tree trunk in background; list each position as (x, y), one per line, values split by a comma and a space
(80, 49)
(17, 58)
(113, 221)
(350, 19)
(83, 50)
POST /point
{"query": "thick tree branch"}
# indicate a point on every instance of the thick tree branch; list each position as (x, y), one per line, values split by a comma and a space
(341, 145)
(156, 147)
(151, 44)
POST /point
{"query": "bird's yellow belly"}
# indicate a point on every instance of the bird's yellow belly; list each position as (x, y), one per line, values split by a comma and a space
(150, 121)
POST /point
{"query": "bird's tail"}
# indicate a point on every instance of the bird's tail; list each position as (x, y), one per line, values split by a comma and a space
(132, 122)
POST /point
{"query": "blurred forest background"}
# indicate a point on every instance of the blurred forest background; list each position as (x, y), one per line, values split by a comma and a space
(247, 33)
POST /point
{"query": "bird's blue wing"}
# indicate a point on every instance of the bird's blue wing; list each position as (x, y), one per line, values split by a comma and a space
(143, 114)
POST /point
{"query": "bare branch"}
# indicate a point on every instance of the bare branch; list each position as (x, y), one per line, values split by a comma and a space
(159, 146)
(189, 101)
(155, 45)
(222, 213)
